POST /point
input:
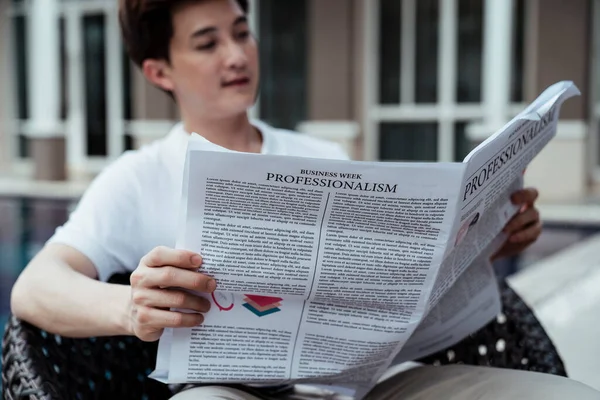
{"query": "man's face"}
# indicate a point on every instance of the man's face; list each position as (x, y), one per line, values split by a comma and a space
(213, 59)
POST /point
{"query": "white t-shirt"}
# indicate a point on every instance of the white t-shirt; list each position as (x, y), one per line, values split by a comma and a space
(132, 206)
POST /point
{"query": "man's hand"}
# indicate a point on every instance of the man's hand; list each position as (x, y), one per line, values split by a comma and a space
(524, 228)
(154, 291)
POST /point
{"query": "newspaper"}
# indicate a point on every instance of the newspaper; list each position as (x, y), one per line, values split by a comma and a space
(331, 271)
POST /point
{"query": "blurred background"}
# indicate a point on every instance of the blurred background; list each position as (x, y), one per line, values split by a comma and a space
(411, 80)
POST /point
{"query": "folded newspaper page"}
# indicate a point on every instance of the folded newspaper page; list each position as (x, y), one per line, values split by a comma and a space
(331, 271)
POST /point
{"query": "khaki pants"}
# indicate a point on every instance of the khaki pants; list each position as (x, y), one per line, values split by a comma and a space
(456, 382)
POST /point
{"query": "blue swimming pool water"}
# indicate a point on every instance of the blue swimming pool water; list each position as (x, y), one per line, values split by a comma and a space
(25, 225)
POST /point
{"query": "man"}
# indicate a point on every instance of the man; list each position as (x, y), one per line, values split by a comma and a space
(203, 54)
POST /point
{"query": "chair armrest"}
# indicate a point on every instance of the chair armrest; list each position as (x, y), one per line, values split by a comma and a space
(514, 340)
(49, 367)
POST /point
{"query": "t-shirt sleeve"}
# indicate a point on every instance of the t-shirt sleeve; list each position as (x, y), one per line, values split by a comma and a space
(105, 222)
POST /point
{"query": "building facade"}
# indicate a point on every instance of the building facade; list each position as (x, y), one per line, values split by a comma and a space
(411, 80)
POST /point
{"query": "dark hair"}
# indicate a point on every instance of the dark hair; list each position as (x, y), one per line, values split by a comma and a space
(147, 27)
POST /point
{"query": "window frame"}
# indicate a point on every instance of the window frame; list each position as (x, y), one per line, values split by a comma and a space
(73, 11)
(447, 112)
(594, 98)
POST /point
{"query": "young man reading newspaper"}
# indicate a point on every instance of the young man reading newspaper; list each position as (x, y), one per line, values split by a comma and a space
(203, 53)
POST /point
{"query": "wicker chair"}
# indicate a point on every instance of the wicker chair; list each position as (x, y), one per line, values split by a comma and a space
(37, 365)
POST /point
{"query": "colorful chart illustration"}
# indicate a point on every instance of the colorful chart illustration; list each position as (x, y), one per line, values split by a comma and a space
(224, 301)
(262, 305)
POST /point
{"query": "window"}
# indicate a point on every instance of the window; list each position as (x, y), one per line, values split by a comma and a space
(427, 46)
(95, 84)
(408, 141)
(283, 54)
(470, 51)
(518, 54)
(426, 84)
(20, 68)
(462, 144)
(128, 142)
(390, 17)
(95, 94)
(20, 63)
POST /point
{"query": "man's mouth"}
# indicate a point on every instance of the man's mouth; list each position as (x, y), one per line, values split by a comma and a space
(236, 82)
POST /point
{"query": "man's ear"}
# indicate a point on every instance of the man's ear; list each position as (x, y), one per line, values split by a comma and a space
(158, 72)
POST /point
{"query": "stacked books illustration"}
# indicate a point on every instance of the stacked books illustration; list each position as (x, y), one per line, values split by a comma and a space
(262, 305)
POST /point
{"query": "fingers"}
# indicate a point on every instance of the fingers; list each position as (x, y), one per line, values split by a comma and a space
(526, 196)
(519, 241)
(524, 228)
(163, 256)
(170, 298)
(529, 235)
(165, 277)
(522, 220)
(161, 269)
(164, 267)
(149, 318)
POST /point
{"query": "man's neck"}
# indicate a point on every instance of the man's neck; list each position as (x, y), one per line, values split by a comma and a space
(236, 134)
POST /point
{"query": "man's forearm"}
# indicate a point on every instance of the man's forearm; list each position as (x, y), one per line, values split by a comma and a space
(60, 300)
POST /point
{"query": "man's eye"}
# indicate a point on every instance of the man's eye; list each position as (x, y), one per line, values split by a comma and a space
(243, 35)
(206, 46)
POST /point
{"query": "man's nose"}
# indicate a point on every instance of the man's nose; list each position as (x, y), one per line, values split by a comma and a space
(236, 56)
